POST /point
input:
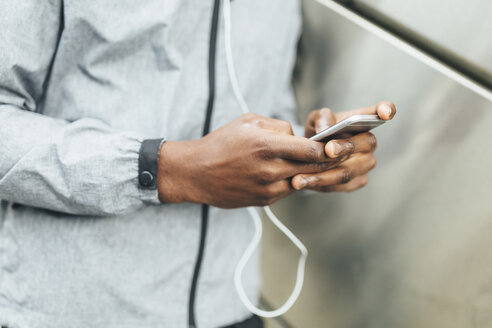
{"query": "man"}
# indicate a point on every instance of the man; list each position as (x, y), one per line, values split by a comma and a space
(101, 223)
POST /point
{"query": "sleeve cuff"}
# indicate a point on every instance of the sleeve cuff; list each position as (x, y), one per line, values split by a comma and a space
(147, 163)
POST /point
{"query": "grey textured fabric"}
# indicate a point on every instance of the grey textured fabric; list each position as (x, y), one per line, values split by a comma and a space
(82, 83)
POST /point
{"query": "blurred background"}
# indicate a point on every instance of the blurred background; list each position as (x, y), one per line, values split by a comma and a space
(414, 247)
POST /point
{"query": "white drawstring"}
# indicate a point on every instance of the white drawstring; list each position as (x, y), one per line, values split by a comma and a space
(254, 214)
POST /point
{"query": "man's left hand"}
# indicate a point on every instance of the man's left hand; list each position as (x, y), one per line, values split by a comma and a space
(357, 151)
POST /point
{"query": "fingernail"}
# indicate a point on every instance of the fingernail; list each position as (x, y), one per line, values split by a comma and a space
(386, 109)
(349, 146)
(336, 148)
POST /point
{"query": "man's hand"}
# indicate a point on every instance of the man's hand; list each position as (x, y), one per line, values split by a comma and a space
(247, 162)
(352, 173)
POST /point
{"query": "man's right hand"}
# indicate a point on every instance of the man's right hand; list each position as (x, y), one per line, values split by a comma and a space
(246, 162)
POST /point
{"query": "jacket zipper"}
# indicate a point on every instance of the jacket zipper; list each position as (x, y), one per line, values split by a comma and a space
(206, 130)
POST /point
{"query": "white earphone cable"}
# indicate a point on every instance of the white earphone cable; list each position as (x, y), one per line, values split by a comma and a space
(229, 60)
(254, 214)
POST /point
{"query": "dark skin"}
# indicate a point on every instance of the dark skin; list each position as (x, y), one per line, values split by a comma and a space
(256, 160)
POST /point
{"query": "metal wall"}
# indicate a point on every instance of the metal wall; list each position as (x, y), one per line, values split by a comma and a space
(414, 247)
(460, 27)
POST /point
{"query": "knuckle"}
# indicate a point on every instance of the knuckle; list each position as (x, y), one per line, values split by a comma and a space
(344, 176)
(350, 146)
(319, 167)
(270, 192)
(364, 181)
(290, 130)
(265, 201)
(316, 153)
(286, 125)
(260, 122)
(372, 163)
(342, 159)
(263, 147)
(249, 116)
(267, 174)
(373, 142)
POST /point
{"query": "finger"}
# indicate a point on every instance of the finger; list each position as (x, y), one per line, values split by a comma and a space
(359, 143)
(287, 169)
(275, 191)
(336, 176)
(360, 163)
(353, 185)
(279, 126)
(385, 110)
(319, 120)
(296, 148)
(281, 169)
(356, 165)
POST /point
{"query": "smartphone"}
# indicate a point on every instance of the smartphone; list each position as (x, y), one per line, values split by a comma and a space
(351, 125)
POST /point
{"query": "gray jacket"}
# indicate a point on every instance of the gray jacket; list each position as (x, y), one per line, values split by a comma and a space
(82, 84)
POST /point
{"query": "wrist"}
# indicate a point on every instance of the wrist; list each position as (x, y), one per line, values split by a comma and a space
(173, 169)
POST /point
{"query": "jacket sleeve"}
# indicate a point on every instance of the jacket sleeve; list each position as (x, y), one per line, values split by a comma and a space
(83, 167)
